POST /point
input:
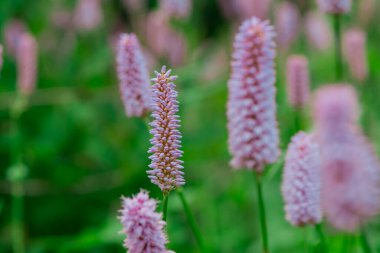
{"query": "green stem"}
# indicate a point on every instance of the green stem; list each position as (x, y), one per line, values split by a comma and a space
(298, 119)
(191, 220)
(16, 177)
(165, 200)
(322, 240)
(262, 214)
(338, 47)
(17, 217)
(364, 241)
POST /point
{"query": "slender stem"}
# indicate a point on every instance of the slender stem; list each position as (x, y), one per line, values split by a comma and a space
(16, 177)
(191, 220)
(298, 119)
(262, 214)
(338, 47)
(322, 240)
(165, 200)
(17, 217)
(364, 241)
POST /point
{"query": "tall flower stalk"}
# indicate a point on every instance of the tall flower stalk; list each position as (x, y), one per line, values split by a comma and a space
(166, 164)
(251, 110)
(26, 58)
(336, 8)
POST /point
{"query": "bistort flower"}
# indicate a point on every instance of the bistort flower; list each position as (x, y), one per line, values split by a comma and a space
(133, 76)
(142, 225)
(26, 58)
(350, 170)
(355, 52)
(301, 185)
(251, 110)
(334, 6)
(166, 166)
(287, 24)
(297, 80)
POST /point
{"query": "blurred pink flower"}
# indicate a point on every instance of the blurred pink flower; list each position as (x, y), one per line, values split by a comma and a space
(12, 33)
(134, 5)
(166, 166)
(301, 185)
(176, 8)
(176, 49)
(133, 76)
(297, 80)
(355, 52)
(143, 226)
(157, 30)
(88, 15)
(251, 109)
(287, 24)
(367, 9)
(350, 170)
(163, 40)
(318, 31)
(249, 8)
(335, 107)
(27, 63)
(334, 6)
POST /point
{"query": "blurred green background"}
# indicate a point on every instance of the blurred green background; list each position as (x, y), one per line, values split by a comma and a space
(83, 153)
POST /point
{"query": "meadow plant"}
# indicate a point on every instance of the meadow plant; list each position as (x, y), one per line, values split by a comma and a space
(166, 166)
(143, 226)
(354, 50)
(26, 57)
(297, 81)
(301, 185)
(88, 15)
(133, 76)
(334, 6)
(176, 8)
(287, 24)
(346, 160)
(317, 30)
(251, 110)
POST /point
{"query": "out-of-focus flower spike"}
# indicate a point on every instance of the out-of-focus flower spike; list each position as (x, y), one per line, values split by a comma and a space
(287, 24)
(142, 225)
(301, 185)
(133, 76)
(166, 164)
(297, 81)
(27, 62)
(88, 15)
(347, 160)
(354, 49)
(13, 30)
(251, 110)
(176, 8)
(318, 31)
(334, 6)
(367, 9)
(249, 8)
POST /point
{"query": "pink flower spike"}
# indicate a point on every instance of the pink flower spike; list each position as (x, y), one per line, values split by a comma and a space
(143, 227)
(334, 6)
(166, 166)
(13, 30)
(301, 185)
(297, 80)
(347, 160)
(287, 24)
(335, 107)
(251, 109)
(133, 76)
(318, 31)
(354, 48)
(88, 15)
(176, 8)
(27, 62)
(249, 8)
